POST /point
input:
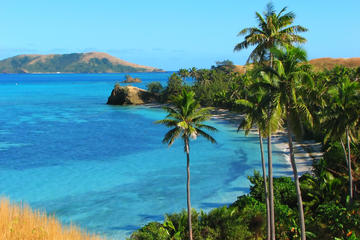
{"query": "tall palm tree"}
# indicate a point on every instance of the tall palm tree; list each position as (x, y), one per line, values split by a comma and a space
(256, 116)
(342, 117)
(186, 119)
(272, 107)
(291, 79)
(273, 29)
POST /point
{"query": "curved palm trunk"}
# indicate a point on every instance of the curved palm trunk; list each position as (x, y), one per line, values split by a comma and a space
(349, 165)
(296, 179)
(265, 187)
(271, 190)
(188, 186)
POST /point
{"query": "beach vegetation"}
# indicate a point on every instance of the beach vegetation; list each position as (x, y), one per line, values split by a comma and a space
(327, 216)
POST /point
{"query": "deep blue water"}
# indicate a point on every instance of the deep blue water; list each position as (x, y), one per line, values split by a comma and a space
(62, 149)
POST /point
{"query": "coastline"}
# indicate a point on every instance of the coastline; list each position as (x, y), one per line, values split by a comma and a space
(306, 152)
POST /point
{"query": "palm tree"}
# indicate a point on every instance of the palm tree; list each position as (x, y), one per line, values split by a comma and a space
(291, 79)
(273, 29)
(272, 107)
(184, 73)
(255, 106)
(342, 117)
(193, 73)
(186, 119)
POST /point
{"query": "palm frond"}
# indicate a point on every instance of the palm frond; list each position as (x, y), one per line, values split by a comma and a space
(245, 103)
(207, 127)
(167, 122)
(171, 135)
(205, 135)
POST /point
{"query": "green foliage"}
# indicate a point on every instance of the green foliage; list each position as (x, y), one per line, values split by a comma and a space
(186, 118)
(284, 190)
(274, 29)
(246, 217)
(213, 87)
(154, 87)
(174, 86)
(151, 231)
(224, 66)
(219, 224)
(338, 220)
(184, 73)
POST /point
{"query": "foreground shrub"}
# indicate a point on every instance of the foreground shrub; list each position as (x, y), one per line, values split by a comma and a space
(19, 222)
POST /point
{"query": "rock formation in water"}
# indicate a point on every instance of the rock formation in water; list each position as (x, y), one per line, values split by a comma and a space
(130, 79)
(130, 95)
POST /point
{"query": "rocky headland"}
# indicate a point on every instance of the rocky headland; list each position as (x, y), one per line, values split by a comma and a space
(129, 95)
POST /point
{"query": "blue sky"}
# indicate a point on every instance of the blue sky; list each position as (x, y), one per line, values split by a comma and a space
(168, 34)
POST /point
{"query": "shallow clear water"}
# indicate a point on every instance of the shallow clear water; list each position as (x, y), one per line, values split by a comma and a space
(103, 167)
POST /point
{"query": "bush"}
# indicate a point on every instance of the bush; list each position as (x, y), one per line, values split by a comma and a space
(284, 190)
(154, 87)
(337, 221)
(175, 84)
(151, 231)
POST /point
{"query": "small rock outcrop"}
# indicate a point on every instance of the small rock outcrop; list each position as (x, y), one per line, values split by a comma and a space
(130, 95)
(130, 79)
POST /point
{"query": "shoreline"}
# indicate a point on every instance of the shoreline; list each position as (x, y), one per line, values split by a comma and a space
(306, 152)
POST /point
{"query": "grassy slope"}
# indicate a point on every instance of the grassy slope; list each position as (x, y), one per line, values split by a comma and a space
(20, 223)
(319, 64)
(329, 63)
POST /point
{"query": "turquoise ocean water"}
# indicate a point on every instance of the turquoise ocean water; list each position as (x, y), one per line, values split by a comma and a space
(104, 168)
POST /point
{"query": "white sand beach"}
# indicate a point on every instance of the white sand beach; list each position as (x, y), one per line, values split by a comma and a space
(305, 151)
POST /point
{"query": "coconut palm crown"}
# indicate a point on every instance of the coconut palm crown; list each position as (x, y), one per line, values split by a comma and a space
(186, 119)
(273, 29)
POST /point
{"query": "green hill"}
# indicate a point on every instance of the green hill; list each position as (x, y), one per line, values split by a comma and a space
(93, 62)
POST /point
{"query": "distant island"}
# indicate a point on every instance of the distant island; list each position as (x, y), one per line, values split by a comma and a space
(92, 62)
